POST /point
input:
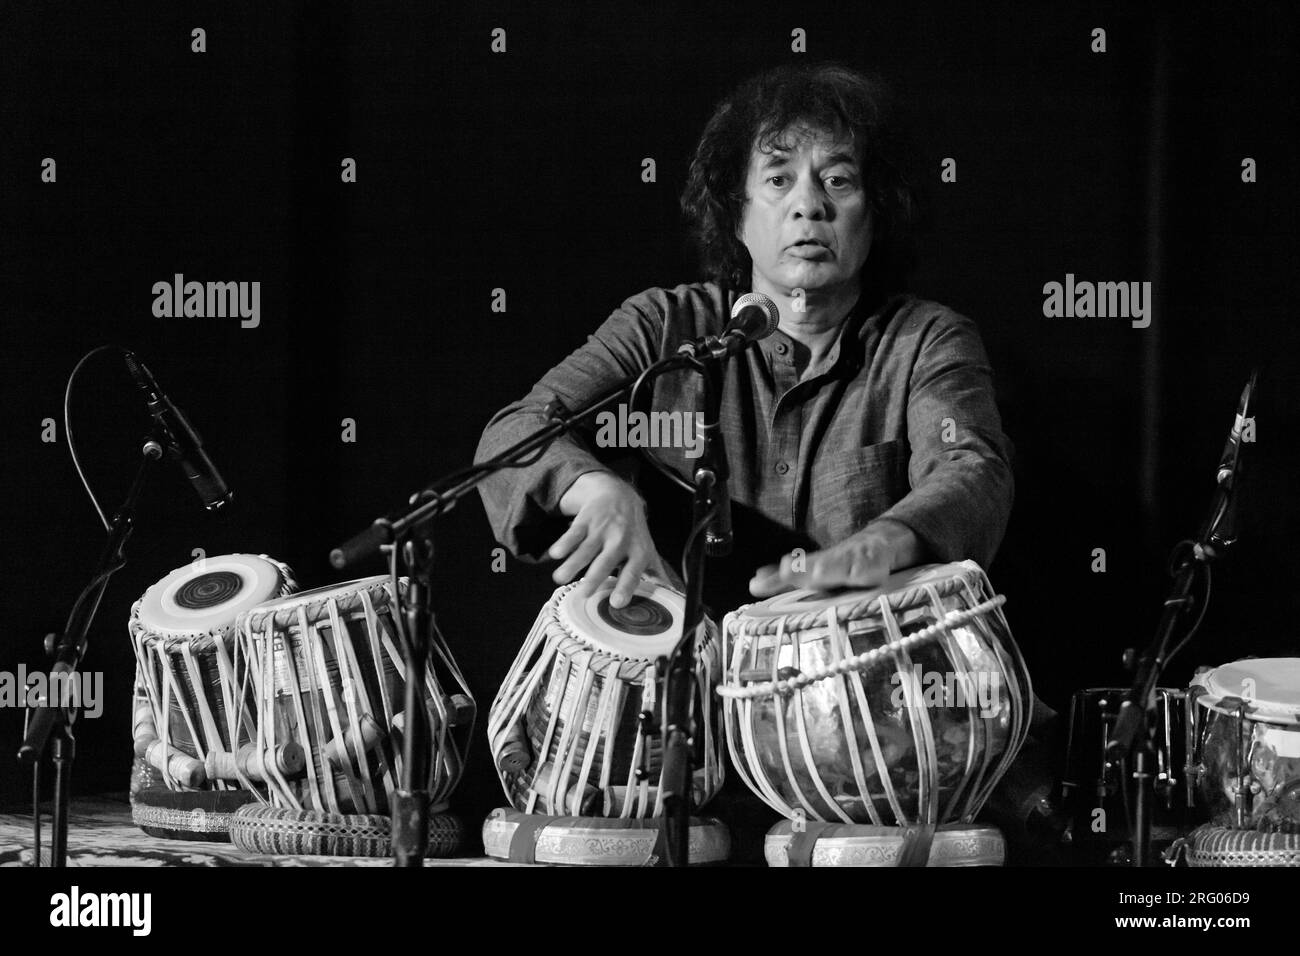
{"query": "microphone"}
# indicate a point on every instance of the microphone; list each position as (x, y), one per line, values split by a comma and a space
(1223, 527)
(753, 317)
(183, 443)
(1227, 473)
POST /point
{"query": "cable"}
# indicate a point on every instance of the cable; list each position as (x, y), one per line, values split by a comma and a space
(1205, 604)
(67, 428)
(648, 454)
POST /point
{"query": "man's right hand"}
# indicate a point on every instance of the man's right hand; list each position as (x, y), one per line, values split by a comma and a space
(609, 528)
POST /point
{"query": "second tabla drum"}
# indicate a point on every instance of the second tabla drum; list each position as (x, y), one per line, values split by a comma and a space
(894, 706)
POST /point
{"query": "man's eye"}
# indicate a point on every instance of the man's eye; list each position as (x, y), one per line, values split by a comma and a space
(773, 180)
(838, 182)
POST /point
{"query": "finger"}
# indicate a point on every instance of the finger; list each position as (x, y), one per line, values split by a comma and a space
(768, 581)
(627, 583)
(566, 542)
(868, 570)
(578, 560)
(828, 570)
(601, 568)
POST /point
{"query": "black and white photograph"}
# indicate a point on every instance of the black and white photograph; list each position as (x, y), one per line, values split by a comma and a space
(588, 437)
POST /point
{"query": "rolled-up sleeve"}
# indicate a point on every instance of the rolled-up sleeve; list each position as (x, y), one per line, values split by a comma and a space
(523, 504)
(960, 466)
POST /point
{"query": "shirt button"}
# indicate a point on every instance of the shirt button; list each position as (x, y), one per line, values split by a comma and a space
(782, 467)
(781, 348)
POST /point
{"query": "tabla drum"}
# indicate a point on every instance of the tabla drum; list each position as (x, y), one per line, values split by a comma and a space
(191, 692)
(1244, 725)
(1247, 727)
(329, 679)
(893, 706)
(1095, 779)
(564, 726)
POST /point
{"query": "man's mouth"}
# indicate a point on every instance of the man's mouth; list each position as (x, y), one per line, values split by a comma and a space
(808, 249)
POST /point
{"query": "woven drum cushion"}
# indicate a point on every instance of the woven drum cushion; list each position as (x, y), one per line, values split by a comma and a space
(277, 830)
(595, 841)
(187, 814)
(843, 844)
(1220, 846)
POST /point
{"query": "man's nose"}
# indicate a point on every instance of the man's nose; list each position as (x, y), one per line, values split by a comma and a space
(808, 200)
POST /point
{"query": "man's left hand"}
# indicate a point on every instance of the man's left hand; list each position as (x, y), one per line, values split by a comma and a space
(862, 561)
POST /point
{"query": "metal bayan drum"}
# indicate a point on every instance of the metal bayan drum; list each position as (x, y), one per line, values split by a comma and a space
(330, 679)
(898, 705)
(563, 728)
(191, 692)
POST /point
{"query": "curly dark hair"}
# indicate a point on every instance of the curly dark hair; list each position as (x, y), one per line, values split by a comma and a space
(823, 96)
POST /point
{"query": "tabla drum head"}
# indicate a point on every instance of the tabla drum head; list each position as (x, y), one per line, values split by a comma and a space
(805, 600)
(649, 626)
(209, 594)
(1269, 686)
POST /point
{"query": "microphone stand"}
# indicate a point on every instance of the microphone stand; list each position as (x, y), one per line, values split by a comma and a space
(51, 722)
(410, 534)
(677, 673)
(1136, 719)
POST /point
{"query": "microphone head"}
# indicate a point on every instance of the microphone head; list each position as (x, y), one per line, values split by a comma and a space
(770, 314)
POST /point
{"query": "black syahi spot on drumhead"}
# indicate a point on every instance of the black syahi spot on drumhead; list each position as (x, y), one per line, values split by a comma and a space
(209, 590)
(642, 616)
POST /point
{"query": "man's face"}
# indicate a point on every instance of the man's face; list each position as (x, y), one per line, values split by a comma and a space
(807, 222)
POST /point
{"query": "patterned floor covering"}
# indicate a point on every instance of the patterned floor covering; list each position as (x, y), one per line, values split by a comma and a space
(101, 833)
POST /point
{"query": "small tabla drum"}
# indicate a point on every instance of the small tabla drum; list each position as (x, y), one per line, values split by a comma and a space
(564, 726)
(193, 700)
(329, 678)
(901, 705)
(1244, 731)
(1247, 728)
(1093, 788)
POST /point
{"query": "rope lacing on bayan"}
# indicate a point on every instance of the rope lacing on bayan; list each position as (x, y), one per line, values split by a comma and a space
(861, 662)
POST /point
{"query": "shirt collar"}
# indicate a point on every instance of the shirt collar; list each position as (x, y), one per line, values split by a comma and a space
(845, 351)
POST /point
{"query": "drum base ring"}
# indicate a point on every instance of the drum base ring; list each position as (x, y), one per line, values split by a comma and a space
(187, 814)
(1211, 845)
(284, 832)
(851, 844)
(595, 841)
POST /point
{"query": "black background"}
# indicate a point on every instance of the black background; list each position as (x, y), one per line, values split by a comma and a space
(522, 171)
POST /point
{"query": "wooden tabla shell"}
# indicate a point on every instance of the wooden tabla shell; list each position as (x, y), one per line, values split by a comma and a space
(563, 727)
(192, 694)
(329, 678)
(903, 756)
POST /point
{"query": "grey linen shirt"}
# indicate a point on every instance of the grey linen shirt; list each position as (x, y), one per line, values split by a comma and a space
(897, 421)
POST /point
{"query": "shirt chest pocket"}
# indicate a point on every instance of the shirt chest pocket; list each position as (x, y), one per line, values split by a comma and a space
(853, 486)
